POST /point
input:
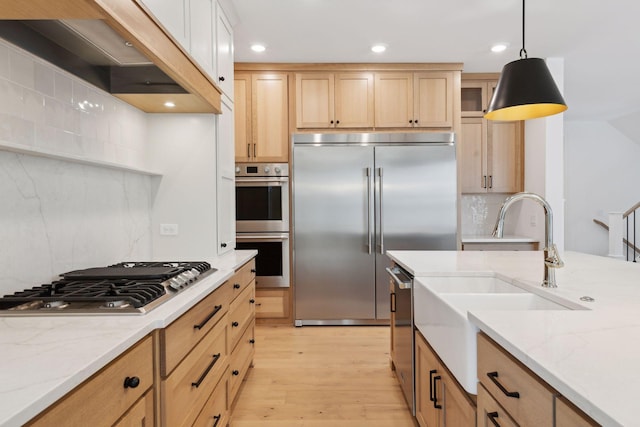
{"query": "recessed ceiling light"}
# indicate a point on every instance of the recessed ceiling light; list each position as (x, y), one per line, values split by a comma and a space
(169, 104)
(378, 48)
(499, 47)
(258, 48)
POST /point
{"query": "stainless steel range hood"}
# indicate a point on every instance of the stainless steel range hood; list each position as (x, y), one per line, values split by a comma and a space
(125, 52)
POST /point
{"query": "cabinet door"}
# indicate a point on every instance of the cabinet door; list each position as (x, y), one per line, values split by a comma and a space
(140, 414)
(459, 410)
(315, 100)
(224, 47)
(427, 370)
(225, 171)
(433, 99)
(269, 106)
(472, 155)
(242, 114)
(354, 100)
(474, 99)
(394, 100)
(504, 157)
(201, 30)
(272, 303)
(174, 16)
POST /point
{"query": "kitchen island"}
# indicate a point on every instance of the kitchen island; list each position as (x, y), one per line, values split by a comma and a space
(45, 357)
(589, 356)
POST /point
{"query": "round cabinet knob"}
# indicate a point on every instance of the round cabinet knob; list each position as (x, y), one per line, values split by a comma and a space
(235, 372)
(252, 301)
(410, 121)
(267, 169)
(221, 78)
(131, 382)
(331, 122)
(236, 286)
(416, 121)
(224, 245)
(337, 122)
(235, 324)
(252, 341)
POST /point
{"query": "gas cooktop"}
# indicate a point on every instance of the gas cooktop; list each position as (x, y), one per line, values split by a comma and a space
(124, 288)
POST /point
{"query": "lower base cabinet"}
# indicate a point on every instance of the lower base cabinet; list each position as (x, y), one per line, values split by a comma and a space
(140, 414)
(272, 303)
(440, 400)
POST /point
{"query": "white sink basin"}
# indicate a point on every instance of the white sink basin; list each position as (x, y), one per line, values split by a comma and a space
(441, 306)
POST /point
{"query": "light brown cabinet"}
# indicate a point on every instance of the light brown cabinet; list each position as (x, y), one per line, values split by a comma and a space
(514, 395)
(491, 153)
(334, 100)
(272, 303)
(414, 100)
(440, 400)
(125, 383)
(261, 111)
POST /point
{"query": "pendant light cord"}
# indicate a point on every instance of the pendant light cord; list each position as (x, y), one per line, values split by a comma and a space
(523, 51)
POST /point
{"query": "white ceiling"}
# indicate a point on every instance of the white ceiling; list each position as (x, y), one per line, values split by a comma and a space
(599, 41)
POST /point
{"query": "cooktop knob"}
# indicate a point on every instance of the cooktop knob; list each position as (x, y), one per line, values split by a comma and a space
(267, 169)
(237, 169)
(278, 170)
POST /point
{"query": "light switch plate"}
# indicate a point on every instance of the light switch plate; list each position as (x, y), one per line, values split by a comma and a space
(168, 229)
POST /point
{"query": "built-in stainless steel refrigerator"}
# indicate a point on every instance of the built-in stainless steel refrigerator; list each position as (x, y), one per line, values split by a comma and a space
(355, 196)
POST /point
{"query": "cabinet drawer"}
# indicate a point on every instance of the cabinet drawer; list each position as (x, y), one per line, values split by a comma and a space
(215, 412)
(567, 415)
(141, 414)
(490, 412)
(191, 383)
(245, 275)
(533, 404)
(86, 404)
(272, 303)
(184, 333)
(241, 313)
(241, 359)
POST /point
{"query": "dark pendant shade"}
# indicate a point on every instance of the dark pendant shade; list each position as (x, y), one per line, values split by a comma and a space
(525, 90)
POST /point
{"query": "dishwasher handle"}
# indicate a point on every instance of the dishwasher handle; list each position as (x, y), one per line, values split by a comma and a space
(404, 282)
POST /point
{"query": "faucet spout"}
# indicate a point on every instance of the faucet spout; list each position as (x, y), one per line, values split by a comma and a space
(551, 256)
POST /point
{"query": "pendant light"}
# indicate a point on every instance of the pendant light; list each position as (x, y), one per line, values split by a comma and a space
(525, 90)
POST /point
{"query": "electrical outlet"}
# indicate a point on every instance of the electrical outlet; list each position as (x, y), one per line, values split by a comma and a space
(533, 220)
(168, 229)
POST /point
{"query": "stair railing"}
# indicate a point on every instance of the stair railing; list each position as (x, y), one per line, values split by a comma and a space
(622, 227)
(630, 217)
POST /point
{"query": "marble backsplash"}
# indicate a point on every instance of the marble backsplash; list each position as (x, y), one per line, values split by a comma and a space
(480, 211)
(55, 215)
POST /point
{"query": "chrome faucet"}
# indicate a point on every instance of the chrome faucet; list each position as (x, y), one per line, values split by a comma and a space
(551, 256)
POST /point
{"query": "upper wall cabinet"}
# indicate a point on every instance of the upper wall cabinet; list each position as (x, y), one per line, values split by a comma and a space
(414, 100)
(261, 117)
(224, 40)
(174, 15)
(202, 33)
(334, 100)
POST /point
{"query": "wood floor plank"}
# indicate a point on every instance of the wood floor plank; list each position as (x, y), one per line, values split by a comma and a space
(321, 376)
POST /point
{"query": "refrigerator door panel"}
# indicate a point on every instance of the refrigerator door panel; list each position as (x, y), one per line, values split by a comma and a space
(415, 205)
(333, 233)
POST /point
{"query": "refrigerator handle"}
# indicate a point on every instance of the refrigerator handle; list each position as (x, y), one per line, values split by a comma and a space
(381, 211)
(369, 236)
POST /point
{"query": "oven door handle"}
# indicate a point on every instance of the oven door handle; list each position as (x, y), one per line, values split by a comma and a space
(264, 181)
(259, 238)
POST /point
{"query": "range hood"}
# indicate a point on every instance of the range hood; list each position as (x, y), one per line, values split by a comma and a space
(115, 54)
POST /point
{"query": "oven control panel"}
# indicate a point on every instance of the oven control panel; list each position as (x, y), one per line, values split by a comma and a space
(262, 169)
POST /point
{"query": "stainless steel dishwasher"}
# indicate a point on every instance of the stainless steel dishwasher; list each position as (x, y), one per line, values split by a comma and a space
(402, 306)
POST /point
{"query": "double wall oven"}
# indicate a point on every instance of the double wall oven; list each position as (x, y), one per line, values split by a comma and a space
(262, 219)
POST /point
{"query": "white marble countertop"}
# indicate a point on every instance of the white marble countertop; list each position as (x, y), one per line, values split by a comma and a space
(491, 239)
(43, 358)
(590, 356)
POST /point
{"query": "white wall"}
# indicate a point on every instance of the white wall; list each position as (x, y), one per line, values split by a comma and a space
(57, 216)
(183, 147)
(602, 175)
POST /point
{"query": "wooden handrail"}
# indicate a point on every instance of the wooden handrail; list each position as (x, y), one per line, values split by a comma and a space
(630, 210)
(606, 227)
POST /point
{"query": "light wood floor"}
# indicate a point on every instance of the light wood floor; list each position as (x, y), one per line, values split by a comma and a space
(321, 376)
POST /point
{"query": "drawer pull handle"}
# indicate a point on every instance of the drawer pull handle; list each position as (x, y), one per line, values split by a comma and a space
(492, 417)
(217, 420)
(235, 372)
(235, 324)
(236, 286)
(216, 357)
(392, 302)
(131, 382)
(204, 322)
(431, 372)
(253, 270)
(435, 391)
(493, 377)
(252, 341)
